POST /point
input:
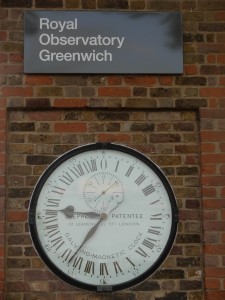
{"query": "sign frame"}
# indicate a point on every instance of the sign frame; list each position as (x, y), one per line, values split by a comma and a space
(100, 42)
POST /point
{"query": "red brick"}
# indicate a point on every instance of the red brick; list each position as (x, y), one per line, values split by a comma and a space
(166, 80)
(2, 155)
(216, 203)
(210, 215)
(3, 57)
(17, 216)
(209, 192)
(220, 16)
(214, 226)
(44, 115)
(65, 296)
(190, 70)
(2, 275)
(210, 237)
(222, 80)
(49, 3)
(189, 214)
(219, 295)
(223, 215)
(212, 158)
(17, 92)
(223, 241)
(38, 80)
(3, 35)
(114, 80)
(215, 273)
(222, 170)
(212, 284)
(211, 58)
(11, 69)
(114, 92)
(212, 136)
(105, 137)
(189, 4)
(70, 102)
(2, 116)
(217, 113)
(37, 275)
(212, 102)
(211, 48)
(208, 169)
(221, 58)
(3, 13)
(211, 260)
(70, 127)
(223, 192)
(213, 180)
(212, 92)
(16, 57)
(140, 80)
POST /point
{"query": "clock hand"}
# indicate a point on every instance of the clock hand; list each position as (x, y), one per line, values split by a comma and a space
(115, 183)
(69, 212)
(91, 232)
(103, 192)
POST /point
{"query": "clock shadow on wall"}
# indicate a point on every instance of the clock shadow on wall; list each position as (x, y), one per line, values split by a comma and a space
(88, 193)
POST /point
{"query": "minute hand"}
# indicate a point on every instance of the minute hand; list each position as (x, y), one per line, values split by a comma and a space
(92, 231)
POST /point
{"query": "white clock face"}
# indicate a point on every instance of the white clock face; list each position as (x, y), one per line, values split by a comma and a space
(103, 218)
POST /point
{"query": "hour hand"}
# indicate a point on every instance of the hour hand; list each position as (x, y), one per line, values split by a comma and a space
(69, 212)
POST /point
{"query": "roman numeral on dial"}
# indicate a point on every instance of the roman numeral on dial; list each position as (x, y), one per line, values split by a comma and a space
(50, 215)
(117, 267)
(78, 170)
(148, 190)
(154, 230)
(67, 179)
(117, 166)
(90, 166)
(52, 202)
(89, 267)
(129, 171)
(103, 269)
(58, 242)
(77, 262)
(66, 253)
(148, 243)
(140, 179)
(52, 228)
(156, 217)
(58, 190)
(141, 252)
(130, 261)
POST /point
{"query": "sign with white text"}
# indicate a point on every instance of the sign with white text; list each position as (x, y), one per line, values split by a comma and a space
(103, 42)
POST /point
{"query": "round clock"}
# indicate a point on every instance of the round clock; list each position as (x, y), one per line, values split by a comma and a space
(103, 217)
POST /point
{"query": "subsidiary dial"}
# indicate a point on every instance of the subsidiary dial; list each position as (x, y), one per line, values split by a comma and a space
(101, 189)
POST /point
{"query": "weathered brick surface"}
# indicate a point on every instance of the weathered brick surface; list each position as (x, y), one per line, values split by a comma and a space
(144, 130)
(177, 120)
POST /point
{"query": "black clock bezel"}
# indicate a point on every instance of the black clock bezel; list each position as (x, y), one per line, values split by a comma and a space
(34, 232)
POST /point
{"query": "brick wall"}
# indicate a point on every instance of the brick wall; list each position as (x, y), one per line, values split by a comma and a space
(179, 121)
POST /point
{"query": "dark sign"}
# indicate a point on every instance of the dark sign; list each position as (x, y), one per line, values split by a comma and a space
(103, 42)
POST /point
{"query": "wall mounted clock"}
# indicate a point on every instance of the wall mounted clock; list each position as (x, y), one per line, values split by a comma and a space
(103, 217)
